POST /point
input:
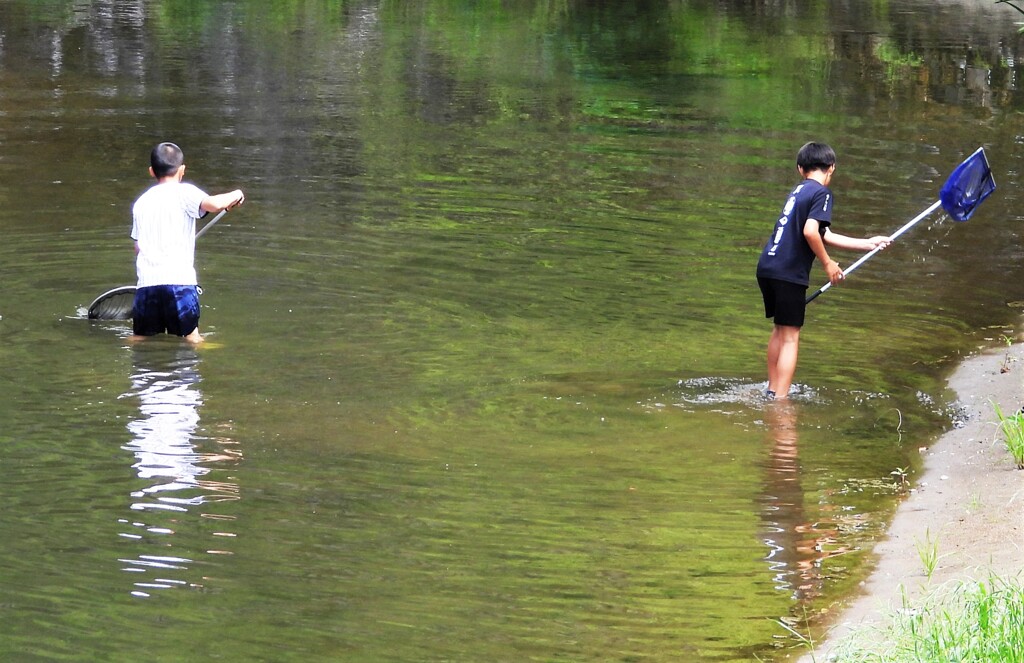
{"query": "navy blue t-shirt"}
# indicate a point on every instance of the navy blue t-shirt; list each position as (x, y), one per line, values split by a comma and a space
(787, 256)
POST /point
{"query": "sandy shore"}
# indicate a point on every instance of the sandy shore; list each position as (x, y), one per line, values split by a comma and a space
(969, 501)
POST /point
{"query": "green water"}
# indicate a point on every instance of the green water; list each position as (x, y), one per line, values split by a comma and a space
(484, 341)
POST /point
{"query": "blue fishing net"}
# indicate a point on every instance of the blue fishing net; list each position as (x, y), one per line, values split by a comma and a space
(969, 184)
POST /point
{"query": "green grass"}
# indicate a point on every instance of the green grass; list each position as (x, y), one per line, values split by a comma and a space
(1012, 428)
(928, 550)
(972, 621)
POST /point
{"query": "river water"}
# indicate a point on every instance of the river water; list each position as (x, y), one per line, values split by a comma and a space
(484, 343)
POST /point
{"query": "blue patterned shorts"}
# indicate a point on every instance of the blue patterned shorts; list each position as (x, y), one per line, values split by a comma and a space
(166, 308)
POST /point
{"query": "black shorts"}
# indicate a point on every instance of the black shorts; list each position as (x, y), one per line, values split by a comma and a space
(784, 301)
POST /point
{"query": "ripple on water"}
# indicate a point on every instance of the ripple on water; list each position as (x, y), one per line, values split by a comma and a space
(713, 390)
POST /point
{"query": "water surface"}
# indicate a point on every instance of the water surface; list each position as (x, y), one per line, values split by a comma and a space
(484, 343)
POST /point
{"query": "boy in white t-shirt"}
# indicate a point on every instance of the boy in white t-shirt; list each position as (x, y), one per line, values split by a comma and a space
(164, 230)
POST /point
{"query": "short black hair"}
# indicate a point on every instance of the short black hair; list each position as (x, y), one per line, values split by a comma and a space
(166, 159)
(815, 156)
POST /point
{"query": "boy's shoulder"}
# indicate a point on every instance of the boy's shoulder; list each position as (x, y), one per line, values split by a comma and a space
(162, 194)
(172, 188)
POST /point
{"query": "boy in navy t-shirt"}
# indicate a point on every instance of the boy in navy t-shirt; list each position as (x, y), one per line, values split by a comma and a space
(801, 233)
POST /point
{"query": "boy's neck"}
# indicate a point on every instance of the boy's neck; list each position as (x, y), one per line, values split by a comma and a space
(176, 176)
(822, 177)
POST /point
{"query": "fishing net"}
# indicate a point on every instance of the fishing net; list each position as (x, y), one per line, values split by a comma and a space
(968, 185)
(116, 304)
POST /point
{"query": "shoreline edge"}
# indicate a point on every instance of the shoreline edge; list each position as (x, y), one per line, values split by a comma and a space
(967, 502)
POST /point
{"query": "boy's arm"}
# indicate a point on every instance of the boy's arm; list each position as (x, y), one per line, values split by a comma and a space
(817, 244)
(222, 201)
(835, 273)
(855, 243)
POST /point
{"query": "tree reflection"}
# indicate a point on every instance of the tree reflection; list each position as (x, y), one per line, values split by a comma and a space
(177, 469)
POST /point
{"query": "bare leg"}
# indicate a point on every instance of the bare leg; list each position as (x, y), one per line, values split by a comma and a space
(783, 347)
(194, 336)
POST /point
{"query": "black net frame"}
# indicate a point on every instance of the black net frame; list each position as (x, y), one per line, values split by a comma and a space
(116, 304)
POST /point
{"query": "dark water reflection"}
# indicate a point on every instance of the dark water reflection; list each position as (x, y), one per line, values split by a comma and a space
(484, 341)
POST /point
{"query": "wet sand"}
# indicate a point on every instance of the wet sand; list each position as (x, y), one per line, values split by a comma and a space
(969, 501)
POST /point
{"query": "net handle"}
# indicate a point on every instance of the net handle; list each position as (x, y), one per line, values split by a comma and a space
(867, 256)
(210, 224)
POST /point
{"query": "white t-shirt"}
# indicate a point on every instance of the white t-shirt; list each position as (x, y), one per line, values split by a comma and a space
(164, 228)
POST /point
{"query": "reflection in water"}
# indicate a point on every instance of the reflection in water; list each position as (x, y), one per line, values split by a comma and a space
(461, 200)
(175, 466)
(797, 548)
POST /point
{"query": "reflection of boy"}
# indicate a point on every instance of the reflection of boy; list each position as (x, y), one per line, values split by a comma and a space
(164, 230)
(783, 272)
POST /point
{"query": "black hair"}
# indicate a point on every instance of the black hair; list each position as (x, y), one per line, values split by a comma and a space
(815, 156)
(165, 159)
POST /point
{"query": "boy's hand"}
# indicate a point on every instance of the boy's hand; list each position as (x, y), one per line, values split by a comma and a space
(879, 242)
(834, 271)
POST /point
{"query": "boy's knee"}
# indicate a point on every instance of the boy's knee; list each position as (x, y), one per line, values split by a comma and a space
(788, 332)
